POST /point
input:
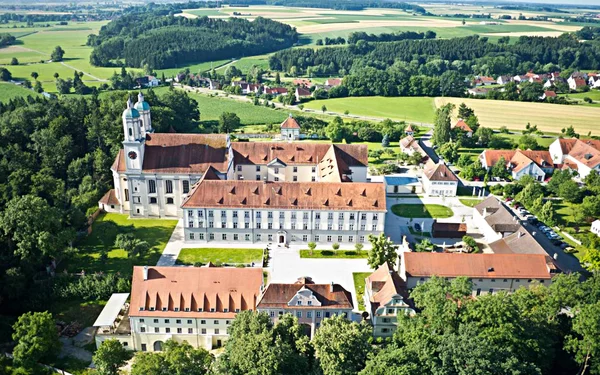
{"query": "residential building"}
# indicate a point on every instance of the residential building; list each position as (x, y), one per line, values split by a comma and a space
(462, 125)
(537, 164)
(304, 82)
(478, 91)
(439, 180)
(581, 156)
(333, 82)
(409, 130)
(290, 130)
(307, 301)
(484, 81)
(595, 227)
(409, 145)
(503, 80)
(576, 83)
(385, 297)
(275, 91)
(283, 212)
(302, 93)
(548, 94)
(193, 304)
(489, 273)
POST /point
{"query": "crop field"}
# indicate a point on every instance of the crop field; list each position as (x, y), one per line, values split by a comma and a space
(245, 63)
(549, 118)
(414, 109)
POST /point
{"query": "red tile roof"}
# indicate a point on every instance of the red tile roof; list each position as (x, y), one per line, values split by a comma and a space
(461, 124)
(384, 284)
(329, 295)
(194, 288)
(489, 266)
(301, 91)
(550, 94)
(439, 172)
(586, 152)
(287, 195)
(518, 159)
(333, 82)
(290, 123)
(110, 198)
(296, 153)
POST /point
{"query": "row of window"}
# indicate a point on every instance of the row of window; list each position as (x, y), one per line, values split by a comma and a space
(179, 330)
(185, 185)
(292, 226)
(176, 309)
(275, 170)
(341, 216)
(259, 237)
(189, 321)
(276, 179)
(493, 280)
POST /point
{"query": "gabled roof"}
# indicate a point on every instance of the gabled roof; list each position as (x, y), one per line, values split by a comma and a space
(290, 123)
(549, 94)
(439, 172)
(301, 91)
(287, 195)
(488, 266)
(518, 159)
(461, 124)
(586, 152)
(197, 289)
(260, 153)
(329, 295)
(384, 284)
(109, 198)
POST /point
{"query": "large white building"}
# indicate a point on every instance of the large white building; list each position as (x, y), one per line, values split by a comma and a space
(580, 156)
(193, 304)
(245, 191)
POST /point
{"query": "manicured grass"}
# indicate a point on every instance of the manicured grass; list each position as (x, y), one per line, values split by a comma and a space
(427, 211)
(470, 202)
(416, 109)
(549, 118)
(359, 288)
(245, 63)
(9, 91)
(154, 231)
(219, 256)
(334, 254)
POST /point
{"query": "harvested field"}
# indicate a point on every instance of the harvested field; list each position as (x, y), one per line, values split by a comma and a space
(321, 28)
(528, 33)
(550, 118)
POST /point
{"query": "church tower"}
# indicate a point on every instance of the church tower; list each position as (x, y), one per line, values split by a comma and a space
(133, 145)
(144, 109)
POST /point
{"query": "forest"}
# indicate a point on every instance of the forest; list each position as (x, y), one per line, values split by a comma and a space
(55, 160)
(155, 41)
(334, 4)
(435, 66)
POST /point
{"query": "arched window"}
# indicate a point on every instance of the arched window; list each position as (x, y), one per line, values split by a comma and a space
(158, 346)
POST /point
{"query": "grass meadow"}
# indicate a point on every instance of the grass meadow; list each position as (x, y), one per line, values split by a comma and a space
(9, 91)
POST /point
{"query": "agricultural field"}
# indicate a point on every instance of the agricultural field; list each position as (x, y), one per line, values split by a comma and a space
(414, 109)
(9, 91)
(549, 118)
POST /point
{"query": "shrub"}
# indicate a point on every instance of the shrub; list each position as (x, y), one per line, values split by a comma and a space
(312, 246)
(335, 246)
(358, 246)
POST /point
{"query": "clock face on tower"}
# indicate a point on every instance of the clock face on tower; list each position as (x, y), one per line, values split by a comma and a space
(132, 155)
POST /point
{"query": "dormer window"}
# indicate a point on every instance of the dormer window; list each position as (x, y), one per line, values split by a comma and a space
(177, 309)
(164, 309)
(225, 310)
(152, 309)
(141, 309)
(212, 310)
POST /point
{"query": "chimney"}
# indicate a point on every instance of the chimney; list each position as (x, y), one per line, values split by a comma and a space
(519, 234)
(331, 287)
(145, 273)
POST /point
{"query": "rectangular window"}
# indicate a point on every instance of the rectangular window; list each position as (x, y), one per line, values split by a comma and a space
(317, 238)
(293, 226)
(304, 238)
(339, 238)
(211, 213)
(211, 236)
(270, 215)
(313, 179)
(375, 216)
(272, 314)
(259, 237)
(153, 200)
(295, 178)
(169, 187)
(330, 216)
(142, 329)
(151, 186)
(361, 239)
(374, 228)
(186, 186)
(211, 224)
(143, 347)
(239, 168)
(281, 214)
(258, 214)
(167, 330)
(276, 179)
(235, 214)
(363, 216)
(235, 225)
(156, 330)
(258, 225)
(270, 237)
(235, 237)
(309, 314)
(329, 238)
(299, 314)
(126, 195)
(276, 170)
(258, 168)
(318, 314)
(247, 237)
(293, 215)
(257, 177)
(317, 215)
(201, 236)
(191, 236)
(203, 321)
(352, 216)
(295, 169)
(190, 330)
(224, 237)
(350, 238)
(216, 322)
(203, 331)
(155, 320)
(223, 224)
(216, 331)
(305, 226)
(179, 330)
(314, 169)
(351, 227)
(363, 227)
(269, 225)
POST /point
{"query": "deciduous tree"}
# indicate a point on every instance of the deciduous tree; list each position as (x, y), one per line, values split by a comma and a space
(382, 251)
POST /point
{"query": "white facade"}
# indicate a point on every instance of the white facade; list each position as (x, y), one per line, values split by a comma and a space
(440, 188)
(595, 227)
(281, 226)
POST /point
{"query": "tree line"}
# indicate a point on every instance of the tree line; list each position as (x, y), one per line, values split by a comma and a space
(156, 41)
(335, 4)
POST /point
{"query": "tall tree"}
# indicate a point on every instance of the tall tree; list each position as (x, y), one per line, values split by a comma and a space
(585, 342)
(442, 125)
(342, 346)
(382, 251)
(57, 54)
(110, 356)
(36, 337)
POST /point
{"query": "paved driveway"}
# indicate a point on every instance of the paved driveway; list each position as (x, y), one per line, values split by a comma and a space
(286, 267)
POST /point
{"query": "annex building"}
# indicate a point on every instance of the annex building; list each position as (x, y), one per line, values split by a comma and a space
(244, 191)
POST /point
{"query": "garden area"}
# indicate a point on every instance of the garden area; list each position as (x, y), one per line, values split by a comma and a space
(470, 202)
(422, 211)
(219, 256)
(359, 288)
(99, 251)
(334, 254)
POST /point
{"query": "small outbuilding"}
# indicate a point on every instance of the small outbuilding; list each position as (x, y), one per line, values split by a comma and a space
(448, 230)
(402, 185)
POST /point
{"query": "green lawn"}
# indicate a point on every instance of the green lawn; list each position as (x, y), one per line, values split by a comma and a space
(245, 63)
(422, 211)
(9, 91)
(470, 202)
(335, 254)
(359, 288)
(219, 256)
(194, 68)
(154, 231)
(416, 109)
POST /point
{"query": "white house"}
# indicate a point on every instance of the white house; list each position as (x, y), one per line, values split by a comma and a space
(537, 164)
(596, 227)
(581, 156)
(439, 180)
(193, 304)
(290, 130)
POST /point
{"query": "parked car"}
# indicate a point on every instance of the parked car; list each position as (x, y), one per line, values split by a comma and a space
(564, 245)
(545, 229)
(418, 227)
(570, 250)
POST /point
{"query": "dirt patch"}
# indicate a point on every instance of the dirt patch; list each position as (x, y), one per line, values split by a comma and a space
(549, 25)
(186, 15)
(14, 49)
(321, 28)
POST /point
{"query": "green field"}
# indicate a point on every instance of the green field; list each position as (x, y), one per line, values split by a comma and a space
(245, 63)
(9, 91)
(414, 109)
(194, 68)
(154, 231)
(334, 254)
(219, 256)
(359, 288)
(470, 202)
(420, 211)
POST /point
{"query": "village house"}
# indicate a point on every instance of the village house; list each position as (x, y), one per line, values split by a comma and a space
(333, 82)
(478, 91)
(310, 303)
(595, 227)
(576, 83)
(462, 125)
(537, 164)
(489, 273)
(548, 94)
(503, 80)
(484, 81)
(304, 82)
(275, 91)
(385, 297)
(580, 156)
(193, 304)
(439, 180)
(302, 93)
(409, 145)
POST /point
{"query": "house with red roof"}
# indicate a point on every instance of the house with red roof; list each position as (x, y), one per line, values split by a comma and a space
(536, 164)
(290, 130)
(580, 156)
(548, 94)
(462, 125)
(576, 83)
